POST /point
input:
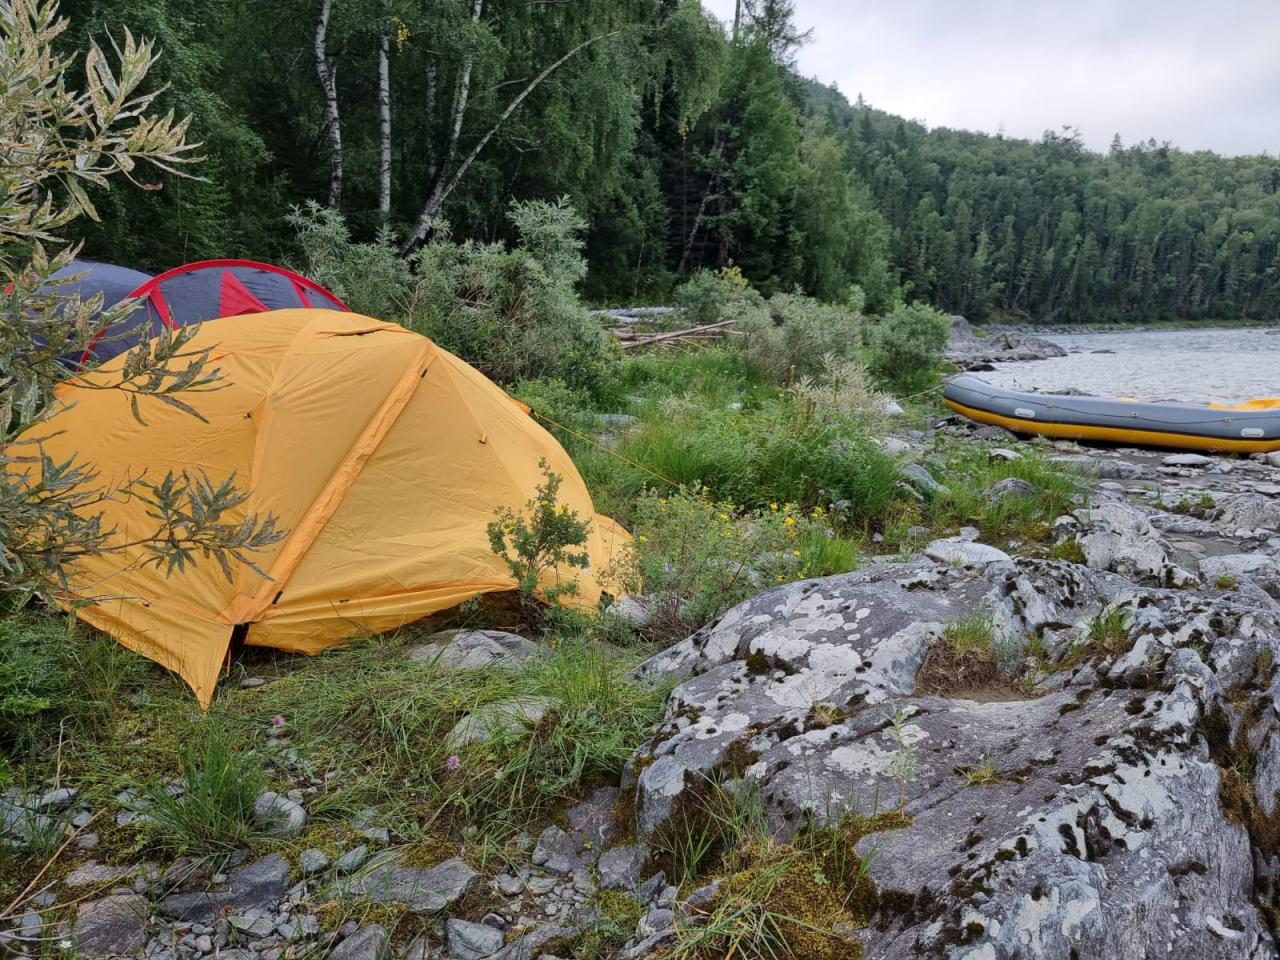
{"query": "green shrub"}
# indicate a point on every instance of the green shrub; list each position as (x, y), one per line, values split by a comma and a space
(540, 541)
(712, 296)
(907, 345)
(515, 313)
(843, 391)
(210, 808)
(697, 557)
(371, 278)
(799, 337)
(780, 452)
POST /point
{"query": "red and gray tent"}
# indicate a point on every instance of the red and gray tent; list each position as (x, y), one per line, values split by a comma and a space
(206, 291)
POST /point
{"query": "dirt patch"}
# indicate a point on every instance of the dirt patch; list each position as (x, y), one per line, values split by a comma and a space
(969, 675)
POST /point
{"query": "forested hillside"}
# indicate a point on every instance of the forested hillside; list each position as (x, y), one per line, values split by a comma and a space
(684, 143)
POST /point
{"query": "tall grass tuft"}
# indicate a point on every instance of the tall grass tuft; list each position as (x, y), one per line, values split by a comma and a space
(210, 807)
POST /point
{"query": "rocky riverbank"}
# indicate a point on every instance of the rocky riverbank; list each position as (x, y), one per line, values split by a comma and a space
(1092, 773)
(971, 352)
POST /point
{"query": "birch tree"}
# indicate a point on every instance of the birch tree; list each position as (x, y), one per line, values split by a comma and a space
(327, 71)
(384, 111)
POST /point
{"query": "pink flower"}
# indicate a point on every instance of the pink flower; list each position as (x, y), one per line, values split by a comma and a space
(454, 762)
(277, 721)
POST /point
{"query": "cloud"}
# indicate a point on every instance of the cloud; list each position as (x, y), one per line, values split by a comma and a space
(1204, 76)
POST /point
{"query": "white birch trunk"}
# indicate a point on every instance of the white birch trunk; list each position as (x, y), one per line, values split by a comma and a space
(446, 183)
(328, 74)
(384, 112)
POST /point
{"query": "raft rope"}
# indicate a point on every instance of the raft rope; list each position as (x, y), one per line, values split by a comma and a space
(600, 446)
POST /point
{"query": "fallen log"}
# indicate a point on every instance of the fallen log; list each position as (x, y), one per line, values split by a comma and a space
(691, 333)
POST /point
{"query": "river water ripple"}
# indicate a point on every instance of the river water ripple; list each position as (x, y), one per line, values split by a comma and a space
(1194, 366)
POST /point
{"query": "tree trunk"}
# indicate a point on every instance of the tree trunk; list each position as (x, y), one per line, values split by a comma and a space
(440, 166)
(446, 184)
(384, 112)
(328, 74)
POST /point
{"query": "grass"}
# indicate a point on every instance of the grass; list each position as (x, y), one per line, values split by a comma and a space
(969, 473)
(383, 723)
(370, 726)
(980, 774)
(710, 820)
(968, 661)
(1108, 631)
(210, 807)
(796, 901)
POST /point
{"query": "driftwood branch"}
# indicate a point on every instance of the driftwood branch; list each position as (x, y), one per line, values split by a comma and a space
(705, 332)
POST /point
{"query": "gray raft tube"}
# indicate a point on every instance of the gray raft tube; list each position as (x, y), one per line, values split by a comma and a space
(1179, 425)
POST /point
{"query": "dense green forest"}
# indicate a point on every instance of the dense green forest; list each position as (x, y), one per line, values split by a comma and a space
(684, 143)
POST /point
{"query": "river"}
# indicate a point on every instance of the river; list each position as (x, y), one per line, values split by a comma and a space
(1195, 366)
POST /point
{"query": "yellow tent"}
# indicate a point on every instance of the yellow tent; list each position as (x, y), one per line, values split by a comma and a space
(382, 455)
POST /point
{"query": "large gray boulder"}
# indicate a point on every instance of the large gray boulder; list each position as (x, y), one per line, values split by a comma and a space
(849, 640)
(1121, 805)
(1121, 538)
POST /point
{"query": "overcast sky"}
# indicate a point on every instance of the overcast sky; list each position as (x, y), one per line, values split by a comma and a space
(1202, 75)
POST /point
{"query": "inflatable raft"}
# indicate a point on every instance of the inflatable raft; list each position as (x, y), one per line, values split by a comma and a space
(1250, 427)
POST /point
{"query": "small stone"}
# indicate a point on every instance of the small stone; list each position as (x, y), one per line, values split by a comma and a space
(112, 925)
(366, 943)
(312, 861)
(281, 816)
(509, 885)
(252, 923)
(30, 925)
(250, 682)
(557, 852)
(657, 920)
(91, 872)
(55, 800)
(502, 717)
(474, 649)
(920, 480)
(421, 890)
(472, 941)
(1188, 460)
(650, 889)
(620, 867)
(352, 860)
(963, 553)
(204, 943)
(1010, 488)
(635, 611)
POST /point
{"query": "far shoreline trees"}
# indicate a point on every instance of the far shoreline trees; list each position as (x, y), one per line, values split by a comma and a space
(685, 144)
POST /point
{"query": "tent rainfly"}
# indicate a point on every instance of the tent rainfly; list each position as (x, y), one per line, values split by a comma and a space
(382, 455)
(198, 292)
